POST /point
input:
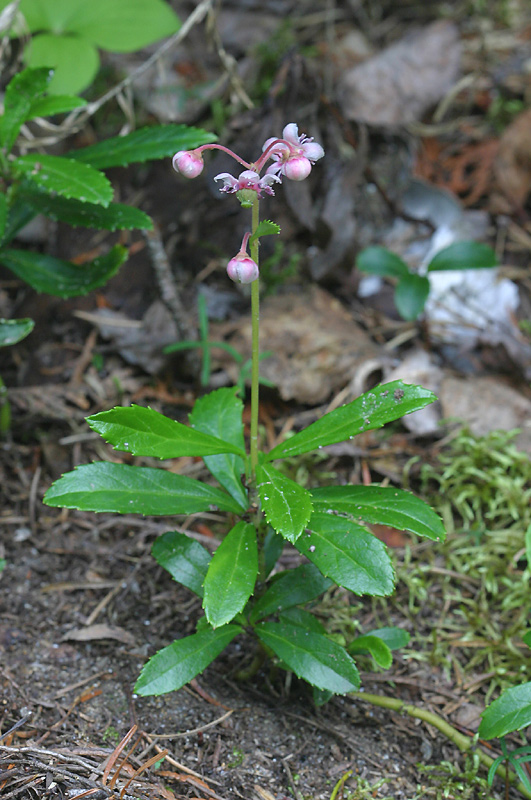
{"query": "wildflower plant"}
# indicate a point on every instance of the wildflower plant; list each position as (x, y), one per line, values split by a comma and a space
(243, 588)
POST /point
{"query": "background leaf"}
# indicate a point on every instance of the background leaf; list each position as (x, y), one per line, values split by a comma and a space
(383, 505)
(291, 588)
(3, 215)
(510, 712)
(14, 330)
(145, 432)
(311, 656)
(411, 294)
(74, 60)
(348, 553)
(62, 278)
(287, 505)
(65, 176)
(371, 410)
(380, 261)
(20, 93)
(184, 558)
(104, 486)
(114, 217)
(231, 576)
(375, 646)
(175, 665)
(464, 255)
(220, 414)
(145, 144)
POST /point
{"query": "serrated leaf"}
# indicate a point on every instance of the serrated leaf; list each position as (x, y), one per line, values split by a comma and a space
(464, 255)
(302, 619)
(321, 696)
(67, 177)
(114, 217)
(220, 414)
(55, 104)
(175, 665)
(123, 25)
(20, 93)
(373, 645)
(145, 432)
(311, 656)
(510, 712)
(62, 278)
(380, 261)
(231, 576)
(348, 553)
(382, 505)
(265, 228)
(291, 588)
(287, 505)
(411, 294)
(384, 403)
(145, 144)
(104, 486)
(184, 558)
(14, 330)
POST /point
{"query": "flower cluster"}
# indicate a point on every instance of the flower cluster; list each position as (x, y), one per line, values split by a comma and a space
(293, 157)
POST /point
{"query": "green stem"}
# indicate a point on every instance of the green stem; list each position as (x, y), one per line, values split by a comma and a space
(255, 360)
(463, 742)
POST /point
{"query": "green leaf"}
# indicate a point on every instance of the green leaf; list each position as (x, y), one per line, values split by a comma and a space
(55, 104)
(464, 255)
(145, 432)
(273, 547)
(146, 144)
(526, 638)
(62, 278)
(14, 330)
(394, 637)
(510, 712)
(373, 645)
(231, 575)
(265, 228)
(311, 656)
(348, 553)
(302, 619)
(21, 91)
(528, 546)
(115, 217)
(123, 25)
(3, 215)
(380, 261)
(220, 414)
(18, 216)
(74, 60)
(411, 294)
(104, 486)
(175, 665)
(287, 505)
(321, 696)
(184, 558)
(372, 410)
(290, 588)
(383, 505)
(65, 176)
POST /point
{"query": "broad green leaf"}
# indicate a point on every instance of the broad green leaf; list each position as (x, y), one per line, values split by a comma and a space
(231, 575)
(18, 216)
(510, 712)
(273, 547)
(287, 505)
(265, 228)
(347, 553)
(146, 144)
(14, 330)
(220, 414)
(394, 637)
(464, 255)
(122, 26)
(528, 546)
(372, 410)
(3, 215)
(184, 558)
(74, 60)
(65, 176)
(302, 619)
(21, 91)
(104, 486)
(179, 662)
(380, 261)
(115, 217)
(48, 15)
(62, 278)
(291, 588)
(526, 638)
(55, 104)
(411, 294)
(311, 656)
(383, 505)
(145, 432)
(373, 645)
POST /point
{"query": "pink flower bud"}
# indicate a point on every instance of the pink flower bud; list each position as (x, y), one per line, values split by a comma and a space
(242, 268)
(297, 169)
(188, 162)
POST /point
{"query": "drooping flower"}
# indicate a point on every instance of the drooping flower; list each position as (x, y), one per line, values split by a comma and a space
(293, 155)
(242, 268)
(189, 163)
